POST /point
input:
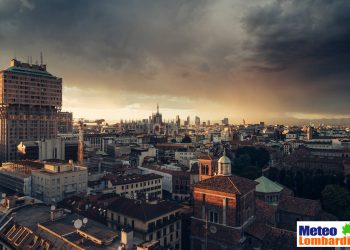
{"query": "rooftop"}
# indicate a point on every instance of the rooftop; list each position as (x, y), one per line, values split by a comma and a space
(126, 179)
(142, 210)
(301, 206)
(65, 227)
(267, 186)
(31, 72)
(228, 184)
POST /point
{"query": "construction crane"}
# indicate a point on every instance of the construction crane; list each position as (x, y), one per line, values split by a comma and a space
(81, 143)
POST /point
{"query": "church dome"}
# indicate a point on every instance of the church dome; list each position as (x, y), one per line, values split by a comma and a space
(224, 160)
(224, 165)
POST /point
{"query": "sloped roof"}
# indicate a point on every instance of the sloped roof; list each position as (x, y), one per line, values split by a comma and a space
(228, 184)
(267, 186)
(299, 206)
(142, 210)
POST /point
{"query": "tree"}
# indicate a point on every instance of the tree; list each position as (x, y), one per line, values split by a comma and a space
(258, 156)
(273, 174)
(336, 200)
(186, 139)
(299, 181)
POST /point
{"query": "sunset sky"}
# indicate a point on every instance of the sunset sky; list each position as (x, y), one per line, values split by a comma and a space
(255, 59)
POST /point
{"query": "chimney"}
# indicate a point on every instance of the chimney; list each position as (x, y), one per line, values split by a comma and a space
(127, 238)
(56, 214)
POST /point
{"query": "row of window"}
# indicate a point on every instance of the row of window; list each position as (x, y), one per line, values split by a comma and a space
(141, 184)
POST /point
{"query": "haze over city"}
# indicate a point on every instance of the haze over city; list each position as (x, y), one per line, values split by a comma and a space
(259, 60)
(174, 125)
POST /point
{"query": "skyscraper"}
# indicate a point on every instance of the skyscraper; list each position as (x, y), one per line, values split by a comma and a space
(30, 99)
(178, 121)
(197, 121)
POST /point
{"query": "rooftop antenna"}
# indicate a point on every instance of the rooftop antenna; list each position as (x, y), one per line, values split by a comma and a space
(31, 60)
(41, 59)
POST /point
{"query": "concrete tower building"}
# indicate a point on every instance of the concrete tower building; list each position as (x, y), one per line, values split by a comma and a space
(30, 99)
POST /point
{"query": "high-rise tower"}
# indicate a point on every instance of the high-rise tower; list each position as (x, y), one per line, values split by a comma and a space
(30, 99)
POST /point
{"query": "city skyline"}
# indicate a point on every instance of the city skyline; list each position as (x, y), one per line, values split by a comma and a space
(272, 61)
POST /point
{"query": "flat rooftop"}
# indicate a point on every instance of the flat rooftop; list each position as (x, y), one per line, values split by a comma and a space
(127, 179)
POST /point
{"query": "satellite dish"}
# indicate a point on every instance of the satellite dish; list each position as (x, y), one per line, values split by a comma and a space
(3, 195)
(53, 207)
(78, 223)
(2, 202)
(213, 229)
(85, 220)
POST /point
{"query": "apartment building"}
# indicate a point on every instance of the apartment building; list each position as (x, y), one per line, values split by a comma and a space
(150, 221)
(57, 181)
(16, 176)
(135, 186)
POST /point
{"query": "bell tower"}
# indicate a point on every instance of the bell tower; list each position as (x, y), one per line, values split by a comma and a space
(208, 167)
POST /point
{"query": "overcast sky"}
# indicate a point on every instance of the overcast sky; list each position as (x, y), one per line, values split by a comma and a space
(254, 59)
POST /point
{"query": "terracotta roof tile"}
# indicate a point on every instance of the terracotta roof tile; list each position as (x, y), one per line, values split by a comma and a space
(228, 184)
(299, 206)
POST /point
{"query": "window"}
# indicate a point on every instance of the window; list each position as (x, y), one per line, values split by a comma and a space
(158, 234)
(213, 216)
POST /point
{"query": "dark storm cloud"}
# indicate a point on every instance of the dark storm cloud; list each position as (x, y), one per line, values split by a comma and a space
(312, 36)
(122, 33)
(285, 55)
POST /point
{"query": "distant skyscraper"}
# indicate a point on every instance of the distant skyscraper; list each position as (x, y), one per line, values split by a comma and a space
(197, 121)
(178, 121)
(225, 121)
(309, 133)
(29, 103)
(188, 120)
(208, 122)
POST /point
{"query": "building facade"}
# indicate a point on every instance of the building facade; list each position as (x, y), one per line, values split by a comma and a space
(148, 186)
(224, 205)
(150, 221)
